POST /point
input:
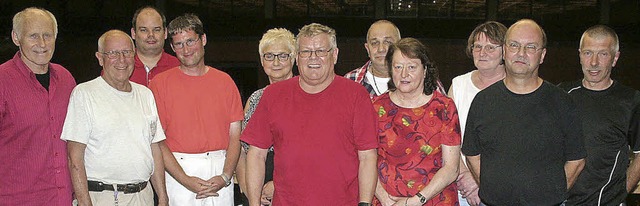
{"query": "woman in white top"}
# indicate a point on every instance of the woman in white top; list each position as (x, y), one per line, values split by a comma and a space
(485, 47)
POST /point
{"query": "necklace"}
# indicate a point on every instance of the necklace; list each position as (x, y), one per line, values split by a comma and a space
(375, 83)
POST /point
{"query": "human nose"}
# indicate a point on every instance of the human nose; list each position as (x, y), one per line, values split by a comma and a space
(382, 48)
(594, 60)
(404, 73)
(276, 61)
(41, 41)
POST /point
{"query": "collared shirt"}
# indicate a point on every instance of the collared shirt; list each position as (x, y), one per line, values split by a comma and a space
(34, 167)
(358, 75)
(140, 74)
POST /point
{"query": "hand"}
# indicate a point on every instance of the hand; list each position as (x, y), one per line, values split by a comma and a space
(466, 184)
(402, 201)
(386, 200)
(195, 184)
(474, 199)
(267, 193)
(216, 183)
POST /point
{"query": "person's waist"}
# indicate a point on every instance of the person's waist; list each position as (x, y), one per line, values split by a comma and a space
(97, 186)
(216, 153)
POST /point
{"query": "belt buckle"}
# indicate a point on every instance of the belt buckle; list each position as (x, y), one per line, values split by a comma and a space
(131, 188)
(100, 187)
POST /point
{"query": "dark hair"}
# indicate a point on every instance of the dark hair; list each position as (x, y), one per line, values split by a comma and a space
(495, 32)
(413, 48)
(135, 16)
(185, 22)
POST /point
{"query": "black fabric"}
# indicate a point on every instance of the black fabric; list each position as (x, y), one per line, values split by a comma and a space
(523, 141)
(44, 79)
(607, 121)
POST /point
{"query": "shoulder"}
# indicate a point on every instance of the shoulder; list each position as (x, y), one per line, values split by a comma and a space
(167, 74)
(218, 74)
(462, 78)
(353, 74)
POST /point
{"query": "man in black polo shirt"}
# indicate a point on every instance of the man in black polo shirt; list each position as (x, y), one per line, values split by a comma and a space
(610, 114)
(523, 140)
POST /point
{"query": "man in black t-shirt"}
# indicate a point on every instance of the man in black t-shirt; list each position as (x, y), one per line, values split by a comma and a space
(523, 140)
(610, 114)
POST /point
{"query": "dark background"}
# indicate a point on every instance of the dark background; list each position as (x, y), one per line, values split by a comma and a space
(234, 28)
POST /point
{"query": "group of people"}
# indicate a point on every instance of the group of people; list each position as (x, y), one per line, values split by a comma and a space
(386, 133)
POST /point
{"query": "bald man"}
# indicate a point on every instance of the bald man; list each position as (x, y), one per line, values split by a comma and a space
(523, 139)
(112, 132)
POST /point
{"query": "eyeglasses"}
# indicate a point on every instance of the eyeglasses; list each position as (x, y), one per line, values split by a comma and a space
(281, 57)
(116, 54)
(189, 43)
(514, 47)
(319, 53)
(489, 48)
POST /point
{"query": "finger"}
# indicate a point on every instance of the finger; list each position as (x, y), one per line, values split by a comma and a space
(394, 198)
(205, 195)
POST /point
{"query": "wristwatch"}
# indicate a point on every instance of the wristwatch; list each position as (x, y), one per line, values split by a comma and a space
(364, 204)
(227, 180)
(422, 198)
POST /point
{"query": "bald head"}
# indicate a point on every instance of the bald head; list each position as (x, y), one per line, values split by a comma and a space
(381, 25)
(112, 34)
(528, 23)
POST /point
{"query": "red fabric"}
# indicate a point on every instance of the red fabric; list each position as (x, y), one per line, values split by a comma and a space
(33, 167)
(410, 151)
(165, 63)
(316, 138)
(196, 111)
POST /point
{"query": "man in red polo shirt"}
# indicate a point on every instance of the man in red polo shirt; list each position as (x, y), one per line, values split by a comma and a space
(149, 32)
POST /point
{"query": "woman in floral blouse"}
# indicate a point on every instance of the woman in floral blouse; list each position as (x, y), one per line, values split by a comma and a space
(419, 133)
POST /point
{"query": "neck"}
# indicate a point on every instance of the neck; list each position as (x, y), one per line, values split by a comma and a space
(120, 86)
(378, 72)
(274, 80)
(409, 100)
(197, 70)
(315, 88)
(487, 77)
(522, 86)
(598, 86)
(149, 58)
(36, 68)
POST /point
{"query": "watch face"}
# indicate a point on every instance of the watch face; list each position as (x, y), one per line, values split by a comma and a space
(423, 200)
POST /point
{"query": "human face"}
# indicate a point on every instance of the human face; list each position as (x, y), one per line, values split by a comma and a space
(524, 62)
(36, 40)
(381, 35)
(314, 70)
(117, 70)
(407, 74)
(189, 56)
(485, 59)
(150, 33)
(597, 57)
(277, 69)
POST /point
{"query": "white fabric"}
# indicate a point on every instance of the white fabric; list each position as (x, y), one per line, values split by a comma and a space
(118, 129)
(379, 84)
(205, 166)
(463, 92)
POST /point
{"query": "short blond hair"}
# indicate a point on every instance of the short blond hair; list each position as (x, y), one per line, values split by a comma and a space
(19, 18)
(315, 29)
(277, 36)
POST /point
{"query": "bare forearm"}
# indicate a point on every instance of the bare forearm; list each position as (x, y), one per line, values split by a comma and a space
(241, 171)
(633, 173)
(572, 169)
(233, 150)
(255, 174)
(78, 172)
(445, 175)
(367, 174)
(473, 163)
(171, 164)
(157, 178)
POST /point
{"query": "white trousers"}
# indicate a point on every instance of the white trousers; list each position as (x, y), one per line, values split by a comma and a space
(205, 166)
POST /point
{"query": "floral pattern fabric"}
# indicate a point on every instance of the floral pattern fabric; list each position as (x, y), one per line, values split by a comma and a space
(410, 152)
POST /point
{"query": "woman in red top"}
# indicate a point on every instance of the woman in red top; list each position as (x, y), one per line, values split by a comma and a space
(419, 133)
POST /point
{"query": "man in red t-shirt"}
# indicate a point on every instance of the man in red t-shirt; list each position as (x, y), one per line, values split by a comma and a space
(322, 128)
(148, 29)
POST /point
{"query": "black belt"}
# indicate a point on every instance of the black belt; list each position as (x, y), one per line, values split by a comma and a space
(95, 186)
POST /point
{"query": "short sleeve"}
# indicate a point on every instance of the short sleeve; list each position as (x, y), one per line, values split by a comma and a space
(258, 132)
(159, 131)
(634, 127)
(236, 112)
(78, 124)
(471, 144)
(451, 125)
(364, 122)
(574, 137)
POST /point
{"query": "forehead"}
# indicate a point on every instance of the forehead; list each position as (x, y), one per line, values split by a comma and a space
(382, 30)
(316, 41)
(604, 41)
(117, 42)
(525, 33)
(149, 16)
(37, 23)
(184, 34)
(399, 57)
(276, 47)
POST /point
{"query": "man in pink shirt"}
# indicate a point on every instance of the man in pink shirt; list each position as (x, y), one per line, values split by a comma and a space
(34, 95)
